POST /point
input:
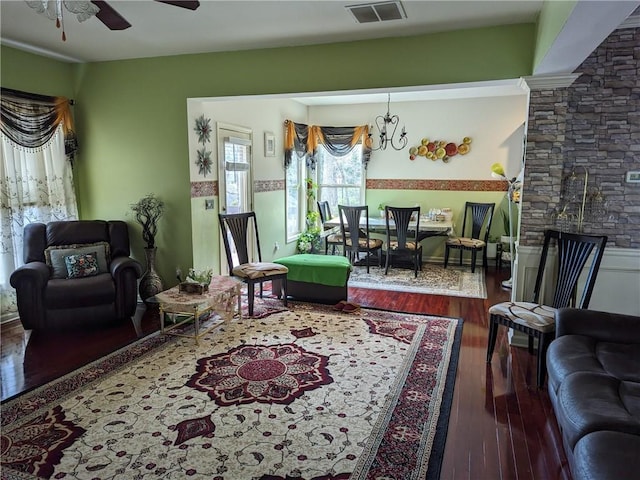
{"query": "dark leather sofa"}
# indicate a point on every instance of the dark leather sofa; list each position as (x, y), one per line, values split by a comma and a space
(48, 298)
(594, 385)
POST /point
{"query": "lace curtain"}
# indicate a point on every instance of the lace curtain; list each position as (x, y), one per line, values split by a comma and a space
(36, 145)
(304, 140)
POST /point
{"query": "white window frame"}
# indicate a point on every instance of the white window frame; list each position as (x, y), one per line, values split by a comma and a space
(324, 186)
(294, 231)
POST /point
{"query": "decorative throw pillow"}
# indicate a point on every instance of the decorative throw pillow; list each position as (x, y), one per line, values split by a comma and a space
(54, 256)
(82, 265)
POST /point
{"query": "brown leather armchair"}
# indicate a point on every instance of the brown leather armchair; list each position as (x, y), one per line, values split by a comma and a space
(51, 294)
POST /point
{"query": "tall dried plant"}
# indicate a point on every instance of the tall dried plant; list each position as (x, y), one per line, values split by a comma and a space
(148, 211)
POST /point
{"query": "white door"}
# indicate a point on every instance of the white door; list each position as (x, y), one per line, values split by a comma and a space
(235, 192)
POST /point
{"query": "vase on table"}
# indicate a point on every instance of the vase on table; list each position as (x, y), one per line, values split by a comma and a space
(150, 283)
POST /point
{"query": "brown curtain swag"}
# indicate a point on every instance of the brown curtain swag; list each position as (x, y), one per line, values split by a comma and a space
(303, 140)
(30, 119)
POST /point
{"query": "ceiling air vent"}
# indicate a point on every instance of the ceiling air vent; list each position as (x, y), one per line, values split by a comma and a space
(377, 12)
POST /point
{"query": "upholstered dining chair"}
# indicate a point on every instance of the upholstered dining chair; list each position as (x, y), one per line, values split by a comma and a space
(333, 239)
(239, 234)
(537, 319)
(476, 224)
(402, 242)
(354, 224)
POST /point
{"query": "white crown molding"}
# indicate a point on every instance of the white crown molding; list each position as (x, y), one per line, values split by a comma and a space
(631, 22)
(38, 51)
(547, 82)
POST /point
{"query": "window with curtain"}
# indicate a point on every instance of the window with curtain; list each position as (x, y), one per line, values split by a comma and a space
(340, 179)
(339, 154)
(37, 146)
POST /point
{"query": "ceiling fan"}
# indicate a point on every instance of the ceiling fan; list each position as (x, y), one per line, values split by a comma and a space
(114, 21)
(84, 9)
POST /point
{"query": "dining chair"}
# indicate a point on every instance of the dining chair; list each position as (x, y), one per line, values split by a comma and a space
(354, 223)
(238, 230)
(537, 319)
(476, 223)
(333, 239)
(401, 241)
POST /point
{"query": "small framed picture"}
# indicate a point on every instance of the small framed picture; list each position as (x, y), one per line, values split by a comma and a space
(269, 144)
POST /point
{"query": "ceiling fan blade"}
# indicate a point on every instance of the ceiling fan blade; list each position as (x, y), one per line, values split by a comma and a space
(191, 5)
(107, 15)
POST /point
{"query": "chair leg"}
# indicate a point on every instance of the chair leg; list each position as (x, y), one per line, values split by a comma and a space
(250, 294)
(460, 257)
(474, 253)
(446, 255)
(493, 335)
(386, 264)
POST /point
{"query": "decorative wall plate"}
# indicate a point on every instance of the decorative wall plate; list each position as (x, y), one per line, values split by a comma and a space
(440, 149)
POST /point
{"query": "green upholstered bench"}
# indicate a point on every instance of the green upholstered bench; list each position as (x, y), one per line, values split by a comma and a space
(316, 278)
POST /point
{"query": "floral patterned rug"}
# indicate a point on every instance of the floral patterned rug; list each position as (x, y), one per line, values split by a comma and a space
(434, 279)
(307, 393)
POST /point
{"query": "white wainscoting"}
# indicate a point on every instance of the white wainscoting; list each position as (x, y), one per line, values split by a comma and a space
(617, 286)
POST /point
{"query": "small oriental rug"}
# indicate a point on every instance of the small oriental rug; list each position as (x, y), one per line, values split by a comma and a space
(308, 393)
(434, 279)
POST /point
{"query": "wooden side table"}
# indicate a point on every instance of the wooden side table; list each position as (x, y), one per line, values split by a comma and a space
(223, 297)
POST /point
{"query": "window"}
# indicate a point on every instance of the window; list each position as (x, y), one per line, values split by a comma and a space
(341, 180)
(296, 199)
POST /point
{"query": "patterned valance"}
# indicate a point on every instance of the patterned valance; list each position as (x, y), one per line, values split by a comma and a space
(304, 140)
(30, 120)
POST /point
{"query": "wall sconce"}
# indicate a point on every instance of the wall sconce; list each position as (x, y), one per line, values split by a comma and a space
(385, 124)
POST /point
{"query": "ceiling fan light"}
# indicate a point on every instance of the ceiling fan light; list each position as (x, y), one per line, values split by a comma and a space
(83, 9)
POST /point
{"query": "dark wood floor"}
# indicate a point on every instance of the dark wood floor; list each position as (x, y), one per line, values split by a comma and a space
(501, 426)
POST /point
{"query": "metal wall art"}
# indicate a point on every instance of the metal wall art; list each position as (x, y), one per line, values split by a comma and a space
(203, 130)
(440, 149)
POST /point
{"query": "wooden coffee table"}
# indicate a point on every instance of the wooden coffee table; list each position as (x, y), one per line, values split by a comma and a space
(223, 298)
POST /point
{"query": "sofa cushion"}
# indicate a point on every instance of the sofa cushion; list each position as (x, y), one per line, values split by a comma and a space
(579, 353)
(54, 257)
(82, 265)
(80, 292)
(606, 455)
(588, 402)
(332, 270)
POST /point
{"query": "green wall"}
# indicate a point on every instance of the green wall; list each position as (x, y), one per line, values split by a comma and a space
(132, 122)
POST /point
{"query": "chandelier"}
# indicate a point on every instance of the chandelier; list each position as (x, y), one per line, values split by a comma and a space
(387, 127)
(53, 9)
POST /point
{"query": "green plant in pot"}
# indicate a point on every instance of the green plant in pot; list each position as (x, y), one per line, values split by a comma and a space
(148, 211)
(309, 240)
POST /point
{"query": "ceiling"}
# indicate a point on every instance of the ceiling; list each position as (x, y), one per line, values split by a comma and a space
(159, 29)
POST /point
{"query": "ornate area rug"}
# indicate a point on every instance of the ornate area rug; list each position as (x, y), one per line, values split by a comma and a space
(433, 279)
(308, 393)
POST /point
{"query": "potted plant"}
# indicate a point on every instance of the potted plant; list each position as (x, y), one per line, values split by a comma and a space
(309, 240)
(381, 210)
(148, 211)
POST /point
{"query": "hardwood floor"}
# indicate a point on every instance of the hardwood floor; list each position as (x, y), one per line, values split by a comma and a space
(501, 425)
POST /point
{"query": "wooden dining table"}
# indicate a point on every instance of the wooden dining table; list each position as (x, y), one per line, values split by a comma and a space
(428, 228)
